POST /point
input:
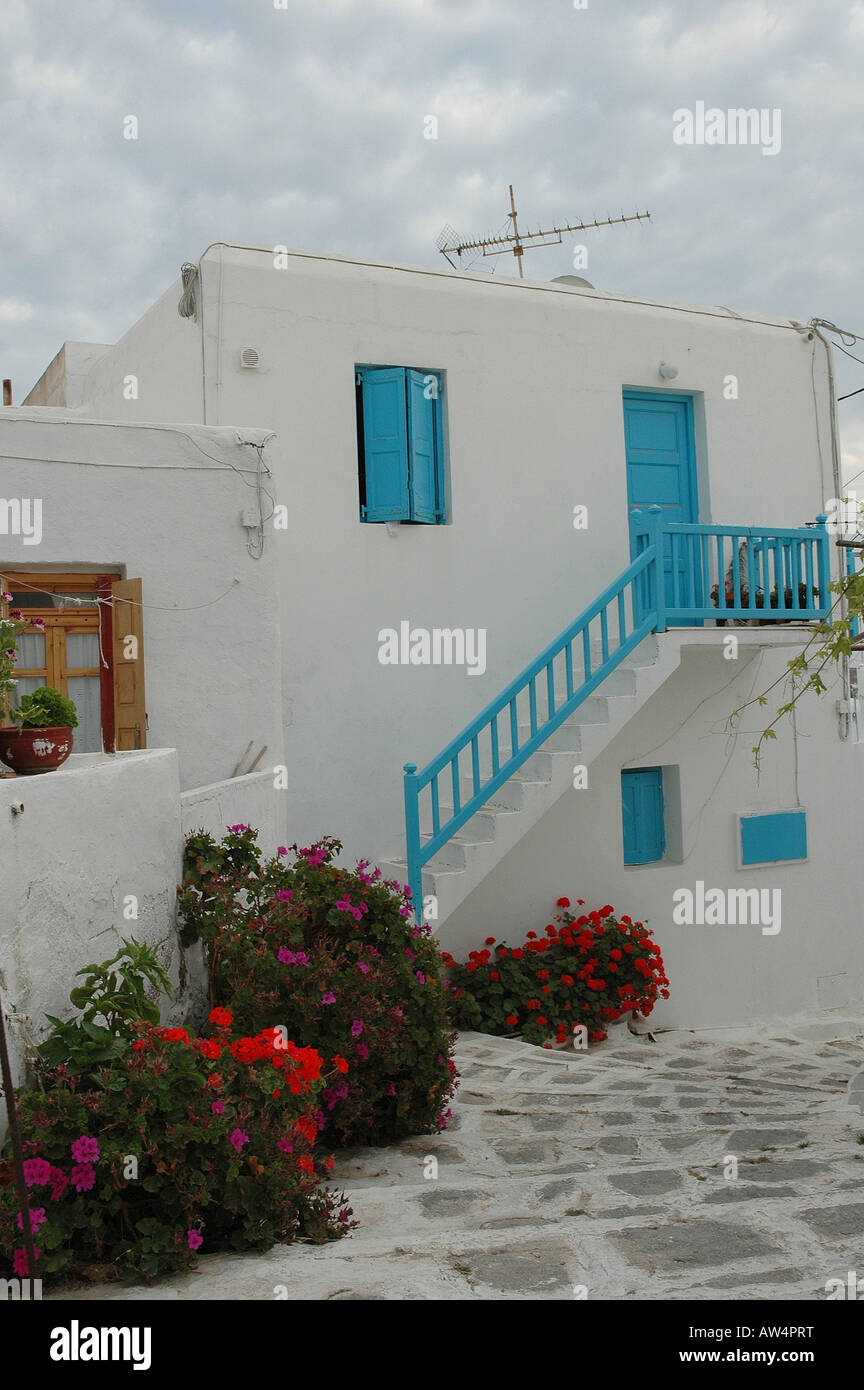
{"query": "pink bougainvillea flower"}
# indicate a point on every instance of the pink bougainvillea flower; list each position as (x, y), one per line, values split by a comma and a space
(287, 957)
(85, 1150)
(195, 1239)
(83, 1177)
(284, 895)
(238, 1138)
(218, 1107)
(356, 1028)
(285, 1146)
(328, 998)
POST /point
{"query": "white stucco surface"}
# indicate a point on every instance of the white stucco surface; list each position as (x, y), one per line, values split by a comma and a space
(91, 835)
(533, 376)
(251, 800)
(163, 505)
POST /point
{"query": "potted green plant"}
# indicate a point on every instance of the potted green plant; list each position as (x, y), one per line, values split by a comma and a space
(12, 624)
(42, 739)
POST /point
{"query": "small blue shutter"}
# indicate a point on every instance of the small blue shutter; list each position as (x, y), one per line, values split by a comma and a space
(642, 810)
(424, 448)
(385, 443)
(769, 839)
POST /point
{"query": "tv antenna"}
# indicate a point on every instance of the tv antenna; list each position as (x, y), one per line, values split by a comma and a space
(516, 241)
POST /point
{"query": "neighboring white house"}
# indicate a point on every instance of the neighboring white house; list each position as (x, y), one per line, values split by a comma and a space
(461, 454)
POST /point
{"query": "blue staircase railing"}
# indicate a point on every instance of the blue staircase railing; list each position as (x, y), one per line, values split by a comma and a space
(678, 575)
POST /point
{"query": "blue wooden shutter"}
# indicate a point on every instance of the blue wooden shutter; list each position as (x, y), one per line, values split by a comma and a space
(385, 443)
(423, 437)
(642, 809)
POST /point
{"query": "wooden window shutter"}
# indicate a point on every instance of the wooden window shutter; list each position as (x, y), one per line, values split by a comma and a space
(385, 439)
(130, 714)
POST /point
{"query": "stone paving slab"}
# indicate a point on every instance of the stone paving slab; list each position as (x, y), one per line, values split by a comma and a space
(727, 1165)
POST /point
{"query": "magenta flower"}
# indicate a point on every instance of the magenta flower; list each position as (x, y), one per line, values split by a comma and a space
(83, 1177)
(19, 1262)
(237, 829)
(285, 1146)
(238, 1138)
(195, 1239)
(420, 976)
(356, 1028)
(362, 1051)
(284, 895)
(85, 1150)
(361, 965)
(301, 958)
(287, 957)
(218, 1107)
(59, 1183)
(328, 998)
(406, 912)
(344, 905)
(282, 850)
(409, 953)
(37, 1217)
(37, 1171)
(391, 1089)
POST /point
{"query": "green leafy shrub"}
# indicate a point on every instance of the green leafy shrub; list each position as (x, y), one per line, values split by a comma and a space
(45, 708)
(334, 956)
(589, 970)
(168, 1144)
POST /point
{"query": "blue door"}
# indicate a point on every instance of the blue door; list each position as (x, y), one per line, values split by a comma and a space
(661, 471)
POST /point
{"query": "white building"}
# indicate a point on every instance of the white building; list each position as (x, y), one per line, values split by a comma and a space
(459, 453)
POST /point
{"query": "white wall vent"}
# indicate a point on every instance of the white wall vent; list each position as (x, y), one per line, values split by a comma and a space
(250, 357)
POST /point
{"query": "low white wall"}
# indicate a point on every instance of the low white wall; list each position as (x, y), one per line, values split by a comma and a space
(720, 975)
(95, 833)
(250, 800)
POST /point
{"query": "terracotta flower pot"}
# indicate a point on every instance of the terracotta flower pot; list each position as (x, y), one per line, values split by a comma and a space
(28, 751)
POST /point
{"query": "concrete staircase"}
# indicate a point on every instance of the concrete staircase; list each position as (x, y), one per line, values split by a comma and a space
(517, 806)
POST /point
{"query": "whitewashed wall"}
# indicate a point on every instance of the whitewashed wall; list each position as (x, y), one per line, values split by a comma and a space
(89, 835)
(99, 830)
(533, 380)
(163, 505)
(250, 800)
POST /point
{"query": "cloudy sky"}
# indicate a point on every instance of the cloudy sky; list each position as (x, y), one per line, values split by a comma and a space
(306, 125)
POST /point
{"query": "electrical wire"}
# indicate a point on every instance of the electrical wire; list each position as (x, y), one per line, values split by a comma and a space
(94, 602)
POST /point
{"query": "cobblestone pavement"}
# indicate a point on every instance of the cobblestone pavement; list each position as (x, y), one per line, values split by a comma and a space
(605, 1170)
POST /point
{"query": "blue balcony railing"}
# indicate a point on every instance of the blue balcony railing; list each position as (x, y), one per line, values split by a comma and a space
(683, 574)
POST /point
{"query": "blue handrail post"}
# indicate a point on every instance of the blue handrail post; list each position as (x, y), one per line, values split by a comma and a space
(412, 840)
(854, 626)
(823, 562)
(655, 522)
(640, 587)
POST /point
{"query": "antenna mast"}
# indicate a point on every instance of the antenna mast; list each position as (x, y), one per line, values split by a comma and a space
(516, 241)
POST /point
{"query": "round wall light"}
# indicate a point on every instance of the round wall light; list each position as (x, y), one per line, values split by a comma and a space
(668, 371)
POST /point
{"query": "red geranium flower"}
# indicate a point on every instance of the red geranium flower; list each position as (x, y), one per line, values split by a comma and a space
(563, 902)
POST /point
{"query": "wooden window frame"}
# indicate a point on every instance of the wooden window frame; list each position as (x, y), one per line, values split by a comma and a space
(97, 618)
